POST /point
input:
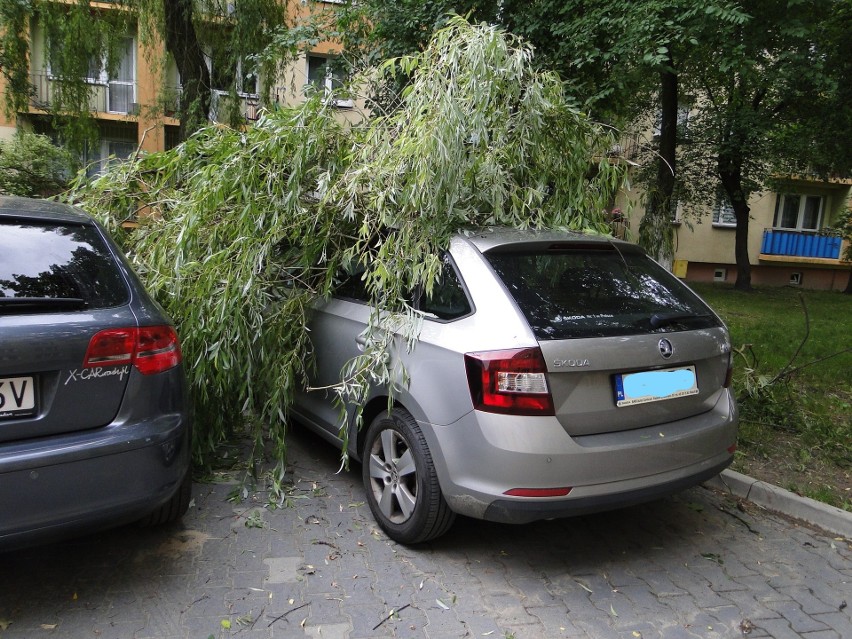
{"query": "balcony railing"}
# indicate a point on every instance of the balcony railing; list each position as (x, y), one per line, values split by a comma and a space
(800, 244)
(111, 97)
(223, 106)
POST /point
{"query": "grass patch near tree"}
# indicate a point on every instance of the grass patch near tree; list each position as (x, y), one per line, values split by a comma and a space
(793, 378)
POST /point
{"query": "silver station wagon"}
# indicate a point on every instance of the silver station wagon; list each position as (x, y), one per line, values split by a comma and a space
(556, 374)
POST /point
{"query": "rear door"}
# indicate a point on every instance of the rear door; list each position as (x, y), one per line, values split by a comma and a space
(59, 286)
(337, 334)
(626, 344)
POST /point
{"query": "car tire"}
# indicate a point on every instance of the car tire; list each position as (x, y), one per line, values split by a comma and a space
(173, 509)
(401, 482)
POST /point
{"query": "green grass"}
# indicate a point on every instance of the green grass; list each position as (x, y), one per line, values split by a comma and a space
(773, 321)
(804, 418)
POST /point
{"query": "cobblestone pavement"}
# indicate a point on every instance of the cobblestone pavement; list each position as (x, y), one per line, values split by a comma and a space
(694, 565)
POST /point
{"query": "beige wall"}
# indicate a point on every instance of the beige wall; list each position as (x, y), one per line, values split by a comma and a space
(705, 246)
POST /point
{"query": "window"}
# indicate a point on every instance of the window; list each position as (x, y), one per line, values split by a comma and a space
(675, 211)
(122, 83)
(96, 73)
(117, 142)
(448, 301)
(324, 75)
(47, 259)
(798, 212)
(596, 292)
(226, 74)
(723, 212)
(682, 121)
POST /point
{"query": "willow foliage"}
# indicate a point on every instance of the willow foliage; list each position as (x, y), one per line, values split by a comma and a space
(245, 230)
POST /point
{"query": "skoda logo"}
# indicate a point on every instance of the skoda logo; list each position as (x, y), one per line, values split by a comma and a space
(666, 348)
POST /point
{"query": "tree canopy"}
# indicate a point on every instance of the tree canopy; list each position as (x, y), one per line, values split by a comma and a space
(31, 166)
(244, 230)
(766, 81)
(758, 85)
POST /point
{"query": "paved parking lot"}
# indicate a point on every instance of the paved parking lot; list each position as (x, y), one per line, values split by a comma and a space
(694, 565)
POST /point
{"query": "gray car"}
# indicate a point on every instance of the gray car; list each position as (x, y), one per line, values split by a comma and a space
(94, 422)
(556, 374)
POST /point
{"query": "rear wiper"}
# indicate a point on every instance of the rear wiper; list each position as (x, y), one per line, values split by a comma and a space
(28, 304)
(664, 319)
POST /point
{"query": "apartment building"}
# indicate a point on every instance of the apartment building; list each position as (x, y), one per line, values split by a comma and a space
(790, 238)
(135, 104)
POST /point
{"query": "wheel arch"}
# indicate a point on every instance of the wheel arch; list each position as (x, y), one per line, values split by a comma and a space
(372, 409)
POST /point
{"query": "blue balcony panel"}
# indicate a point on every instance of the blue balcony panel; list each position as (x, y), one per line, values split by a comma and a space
(800, 244)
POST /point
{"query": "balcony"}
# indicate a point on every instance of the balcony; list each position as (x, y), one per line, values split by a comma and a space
(108, 97)
(224, 106)
(781, 245)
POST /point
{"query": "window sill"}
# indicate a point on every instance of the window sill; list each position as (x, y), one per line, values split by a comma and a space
(717, 225)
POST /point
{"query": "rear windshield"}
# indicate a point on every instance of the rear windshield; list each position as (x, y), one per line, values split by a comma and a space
(45, 264)
(597, 293)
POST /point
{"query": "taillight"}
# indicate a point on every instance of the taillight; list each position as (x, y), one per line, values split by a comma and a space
(512, 382)
(151, 349)
(158, 350)
(111, 347)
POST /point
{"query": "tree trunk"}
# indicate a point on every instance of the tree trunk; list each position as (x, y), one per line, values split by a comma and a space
(731, 175)
(182, 43)
(655, 229)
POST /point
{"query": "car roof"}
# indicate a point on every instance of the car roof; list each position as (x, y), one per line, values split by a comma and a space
(492, 238)
(46, 210)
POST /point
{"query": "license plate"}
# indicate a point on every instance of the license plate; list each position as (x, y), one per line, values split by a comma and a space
(655, 386)
(17, 396)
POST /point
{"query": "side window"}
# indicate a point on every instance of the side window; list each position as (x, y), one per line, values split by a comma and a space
(448, 300)
(351, 285)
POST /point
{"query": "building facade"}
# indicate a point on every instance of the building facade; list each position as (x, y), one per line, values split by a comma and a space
(135, 104)
(791, 241)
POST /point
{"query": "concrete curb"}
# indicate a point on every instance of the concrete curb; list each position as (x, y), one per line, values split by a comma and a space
(831, 519)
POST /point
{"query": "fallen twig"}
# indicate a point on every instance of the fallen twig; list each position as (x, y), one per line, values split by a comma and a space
(279, 617)
(741, 520)
(392, 613)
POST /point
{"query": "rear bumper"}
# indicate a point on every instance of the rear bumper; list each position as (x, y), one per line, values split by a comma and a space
(483, 456)
(516, 512)
(67, 484)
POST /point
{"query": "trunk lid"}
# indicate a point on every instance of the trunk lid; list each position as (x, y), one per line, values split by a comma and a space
(585, 375)
(42, 366)
(625, 344)
(61, 283)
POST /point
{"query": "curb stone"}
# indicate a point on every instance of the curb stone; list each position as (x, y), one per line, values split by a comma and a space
(831, 519)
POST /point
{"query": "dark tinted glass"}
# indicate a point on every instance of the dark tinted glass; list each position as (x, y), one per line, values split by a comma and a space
(596, 293)
(448, 300)
(351, 285)
(58, 261)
